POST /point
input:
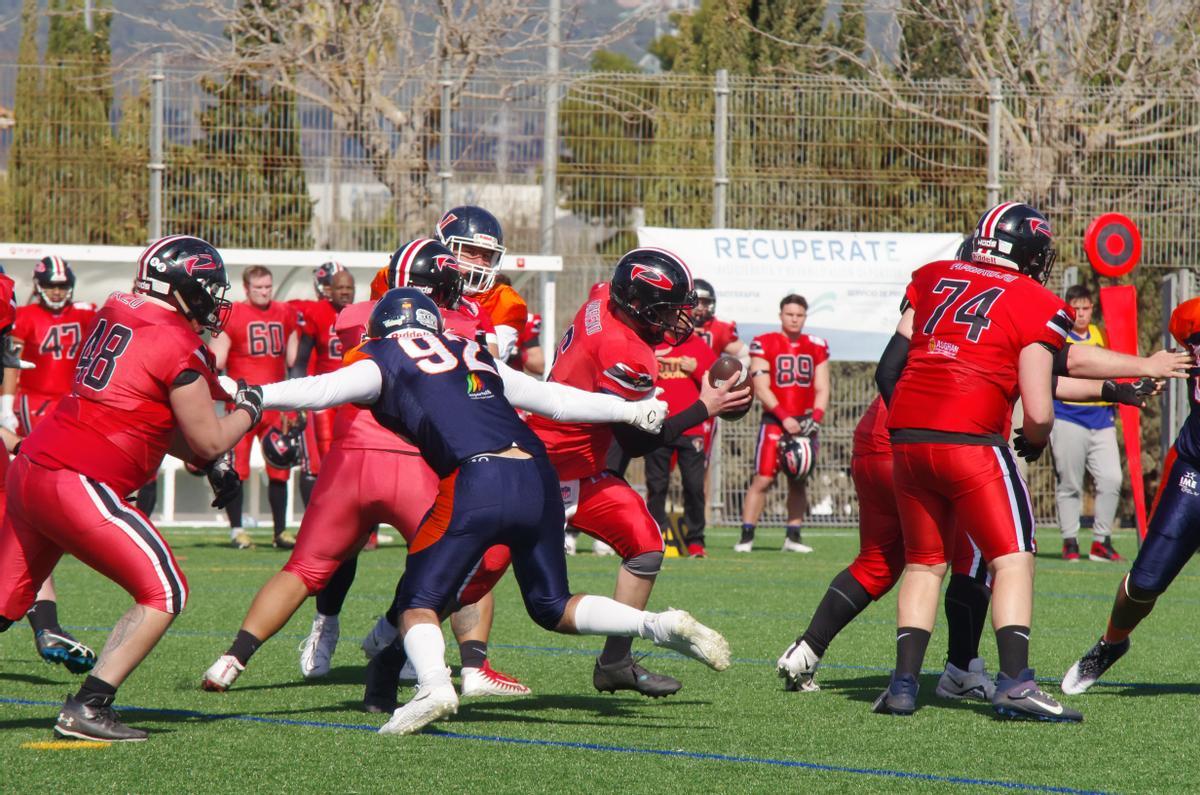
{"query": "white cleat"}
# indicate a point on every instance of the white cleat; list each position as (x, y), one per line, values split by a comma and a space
(601, 549)
(316, 652)
(487, 681)
(794, 546)
(798, 668)
(379, 638)
(974, 683)
(221, 675)
(569, 543)
(678, 630)
(428, 705)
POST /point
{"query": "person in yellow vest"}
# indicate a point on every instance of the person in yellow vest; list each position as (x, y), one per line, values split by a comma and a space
(1084, 438)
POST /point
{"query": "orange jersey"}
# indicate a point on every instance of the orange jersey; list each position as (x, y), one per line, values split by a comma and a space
(505, 307)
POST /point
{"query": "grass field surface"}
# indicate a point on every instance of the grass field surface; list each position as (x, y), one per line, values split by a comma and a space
(735, 731)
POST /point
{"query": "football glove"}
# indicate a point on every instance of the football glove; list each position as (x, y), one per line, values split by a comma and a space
(1025, 448)
(8, 419)
(10, 355)
(249, 398)
(647, 415)
(808, 425)
(1132, 394)
(224, 480)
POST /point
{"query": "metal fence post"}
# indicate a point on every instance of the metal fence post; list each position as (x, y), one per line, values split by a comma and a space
(156, 165)
(720, 149)
(444, 172)
(995, 103)
(550, 173)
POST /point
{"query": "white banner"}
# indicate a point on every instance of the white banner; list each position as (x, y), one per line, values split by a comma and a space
(853, 282)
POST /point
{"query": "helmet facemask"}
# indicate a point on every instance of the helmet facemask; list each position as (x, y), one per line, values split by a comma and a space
(53, 306)
(478, 277)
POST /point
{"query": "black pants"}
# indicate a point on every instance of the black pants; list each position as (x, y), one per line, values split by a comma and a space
(690, 450)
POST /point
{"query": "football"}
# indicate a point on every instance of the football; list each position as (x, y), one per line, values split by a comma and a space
(725, 368)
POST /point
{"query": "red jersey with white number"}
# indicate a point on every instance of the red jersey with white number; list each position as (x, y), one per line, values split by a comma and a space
(792, 364)
(971, 323)
(681, 389)
(51, 341)
(117, 423)
(317, 320)
(718, 334)
(598, 353)
(258, 341)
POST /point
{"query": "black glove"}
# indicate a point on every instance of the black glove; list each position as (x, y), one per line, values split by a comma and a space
(1025, 448)
(249, 398)
(1134, 394)
(300, 423)
(10, 355)
(808, 426)
(223, 479)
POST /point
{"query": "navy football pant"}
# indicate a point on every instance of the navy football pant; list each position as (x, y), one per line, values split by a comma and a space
(491, 500)
(1174, 532)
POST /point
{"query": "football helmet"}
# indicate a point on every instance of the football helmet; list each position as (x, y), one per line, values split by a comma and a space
(404, 308)
(706, 302)
(53, 272)
(189, 274)
(796, 456)
(477, 228)
(282, 450)
(426, 265)
(323, 277)
(964, 249)
(654, 287)
(1017, 236)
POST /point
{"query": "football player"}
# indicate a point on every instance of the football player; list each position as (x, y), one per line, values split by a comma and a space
(144, 385)
(496, 487)
(610, 348)
(259, 345)
(790, 373)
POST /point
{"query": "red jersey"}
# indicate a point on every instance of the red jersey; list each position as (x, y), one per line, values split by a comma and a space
(258, 341)
(970, 325)
(871, 434)
(51, 341)
(317, 319)
(598, 353)
(793, 368)
(681, 389)
(117, 423)
(529, 336)
(718, 334)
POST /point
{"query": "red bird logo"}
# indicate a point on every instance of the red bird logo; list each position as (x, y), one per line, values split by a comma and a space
(198, 263)
(1040, 227)
(447, 219)
(445, 261)
(651, 276)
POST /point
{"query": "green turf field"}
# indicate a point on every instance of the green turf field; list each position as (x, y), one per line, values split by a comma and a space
(735, 731)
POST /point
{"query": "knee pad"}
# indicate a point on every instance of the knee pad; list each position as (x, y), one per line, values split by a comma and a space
(645, 564)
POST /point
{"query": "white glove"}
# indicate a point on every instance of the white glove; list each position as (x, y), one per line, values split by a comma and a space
(647, 415)
(8, 420)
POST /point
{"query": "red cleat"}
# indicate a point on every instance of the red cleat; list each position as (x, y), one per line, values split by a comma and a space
(696, 551)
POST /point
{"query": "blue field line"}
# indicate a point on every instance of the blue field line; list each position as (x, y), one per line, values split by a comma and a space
(619, 749)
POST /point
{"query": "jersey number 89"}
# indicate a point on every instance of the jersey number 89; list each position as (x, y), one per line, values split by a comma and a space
(793, 370)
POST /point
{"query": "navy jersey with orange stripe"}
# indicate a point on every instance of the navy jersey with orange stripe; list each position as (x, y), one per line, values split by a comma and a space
(445, 395)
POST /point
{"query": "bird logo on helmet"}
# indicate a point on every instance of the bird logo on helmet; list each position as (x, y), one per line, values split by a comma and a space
(323, 277)
(477, 230)
(653, 287)
(1015, 235)
(796, 457)
(426, 265)
(282, 450)
(53, 272)
(189, 274)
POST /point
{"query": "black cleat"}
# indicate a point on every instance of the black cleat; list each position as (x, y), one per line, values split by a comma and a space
(57, 646)
(383, 685)
(900, 698)
(99, 723)
(628, 675)
(1091, 666)
(1022, 699)
(284, 541)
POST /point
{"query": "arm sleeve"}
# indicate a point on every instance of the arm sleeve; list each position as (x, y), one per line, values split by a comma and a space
(506, 340)
(638, 443)
(891, 365)
(360, 382)
(560, 402)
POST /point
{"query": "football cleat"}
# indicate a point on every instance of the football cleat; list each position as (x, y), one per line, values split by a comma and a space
(379, 638)
(221, 675)
(746, 544)
(696, 551)
(570, 541)
(628, 675)
(900, 698)
(316, 652)
(1022, 699)
(60, 647)
(794, 546)
(1103, 552)
(284, 541)
(798, 667)
(241, 540)
(1070, 549)
(678, 630)
(601, 549)
(487, 681)
(428, 705)
(971, 683)
(96, 722)
(1091, 666)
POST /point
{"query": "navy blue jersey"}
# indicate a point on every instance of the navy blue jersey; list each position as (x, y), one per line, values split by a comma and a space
(444, 394)
(1187, 443)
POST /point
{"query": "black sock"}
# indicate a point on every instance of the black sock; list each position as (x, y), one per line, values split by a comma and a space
(244, 646)
(147, 497)
(96, 692)
(842, 603)
(1012, 642)
(307, 482)
(966, 614)
(277, 496)
(615, 650)
(473, 653)
(793, 532)
(333, 595)
(234, 509)
(393, 655)
(43, 615)
(747, 530)
(911, 643)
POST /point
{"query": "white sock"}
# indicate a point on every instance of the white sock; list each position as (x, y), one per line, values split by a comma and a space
(426, 650)
(599, 615)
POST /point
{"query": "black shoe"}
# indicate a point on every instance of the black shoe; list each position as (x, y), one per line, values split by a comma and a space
(284, 541)
(1091, 666)
(900, 698)
(383, 685)
(58, 646)
(94, 722)
(628, 675)
(1022, 699)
